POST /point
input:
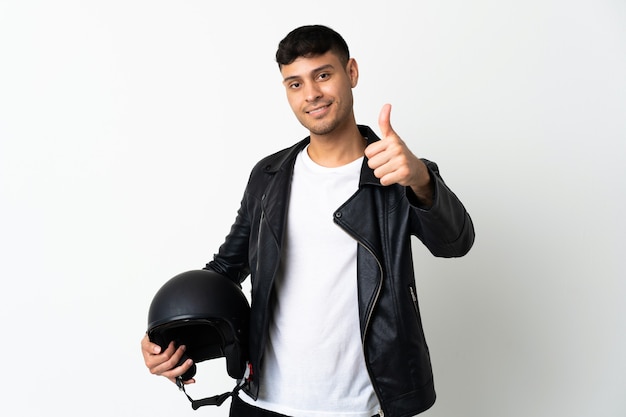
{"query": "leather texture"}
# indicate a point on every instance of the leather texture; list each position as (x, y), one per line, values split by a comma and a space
(382, 220)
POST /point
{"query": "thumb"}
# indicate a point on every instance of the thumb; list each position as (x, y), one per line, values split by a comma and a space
(384, 121)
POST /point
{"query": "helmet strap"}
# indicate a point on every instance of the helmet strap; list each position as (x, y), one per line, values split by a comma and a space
(216, 399)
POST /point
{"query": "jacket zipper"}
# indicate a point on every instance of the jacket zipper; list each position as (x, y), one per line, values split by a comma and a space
(369, 317)
(371, 310)
(258, 239)
(414, 298)
(263, 336)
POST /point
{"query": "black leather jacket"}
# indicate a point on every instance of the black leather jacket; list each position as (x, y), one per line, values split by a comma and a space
(382, 220)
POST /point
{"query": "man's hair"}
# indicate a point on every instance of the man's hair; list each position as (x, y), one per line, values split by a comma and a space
(308, 41)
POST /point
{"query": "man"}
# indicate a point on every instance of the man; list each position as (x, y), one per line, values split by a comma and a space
(324, 230)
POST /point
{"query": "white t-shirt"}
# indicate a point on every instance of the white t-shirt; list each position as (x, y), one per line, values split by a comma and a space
(313, 364)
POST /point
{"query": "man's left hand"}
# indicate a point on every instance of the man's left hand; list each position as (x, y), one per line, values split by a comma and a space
(394, 163)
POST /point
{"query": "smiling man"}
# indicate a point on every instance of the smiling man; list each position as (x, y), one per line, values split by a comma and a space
(324, 231)
(319, 90)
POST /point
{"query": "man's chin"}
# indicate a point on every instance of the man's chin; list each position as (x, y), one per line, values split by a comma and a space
(320, 129)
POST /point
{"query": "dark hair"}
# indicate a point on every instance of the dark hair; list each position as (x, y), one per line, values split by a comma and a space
(307, 41)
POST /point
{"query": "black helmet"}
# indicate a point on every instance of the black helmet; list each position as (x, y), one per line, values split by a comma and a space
(209, 314)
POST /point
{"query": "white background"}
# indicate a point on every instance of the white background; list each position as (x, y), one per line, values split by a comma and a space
(128, 129)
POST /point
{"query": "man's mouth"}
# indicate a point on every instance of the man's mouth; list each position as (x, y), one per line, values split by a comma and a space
(318, 111)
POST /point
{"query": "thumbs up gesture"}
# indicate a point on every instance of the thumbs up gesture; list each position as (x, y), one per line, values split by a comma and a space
(394, 163)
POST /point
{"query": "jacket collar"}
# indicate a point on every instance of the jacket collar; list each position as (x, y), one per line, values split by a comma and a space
(281, 159)
(367, 174)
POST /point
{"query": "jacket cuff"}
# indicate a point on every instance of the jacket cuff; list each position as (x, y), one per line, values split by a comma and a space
(433, 171)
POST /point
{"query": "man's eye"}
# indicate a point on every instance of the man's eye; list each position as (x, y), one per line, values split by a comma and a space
(294, 85)
(323, 76)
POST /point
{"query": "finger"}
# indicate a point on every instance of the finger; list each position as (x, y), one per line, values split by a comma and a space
(384, 121)
(372, 150)
(174, 373)
(165, 363)
(155, 362)
(149, 348)
(377, 157)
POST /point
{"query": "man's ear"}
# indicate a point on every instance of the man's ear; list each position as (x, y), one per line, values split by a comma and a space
(352, 69)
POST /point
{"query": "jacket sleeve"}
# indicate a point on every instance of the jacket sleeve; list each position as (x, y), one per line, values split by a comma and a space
(232, 257)
(445, 228)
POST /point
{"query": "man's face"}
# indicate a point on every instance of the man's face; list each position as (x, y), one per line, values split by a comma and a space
(319, 91)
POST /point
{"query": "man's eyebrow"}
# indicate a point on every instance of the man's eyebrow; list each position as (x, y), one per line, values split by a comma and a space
(318, 69)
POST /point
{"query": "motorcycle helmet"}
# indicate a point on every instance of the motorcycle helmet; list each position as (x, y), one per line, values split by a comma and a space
(209, 314)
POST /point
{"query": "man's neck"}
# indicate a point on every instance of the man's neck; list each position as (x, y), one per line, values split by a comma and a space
(338, 148)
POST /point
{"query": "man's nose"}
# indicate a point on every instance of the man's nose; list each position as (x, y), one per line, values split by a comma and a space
(312, 92)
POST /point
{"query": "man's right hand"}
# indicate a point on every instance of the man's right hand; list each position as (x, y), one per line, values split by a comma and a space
(164, 363)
